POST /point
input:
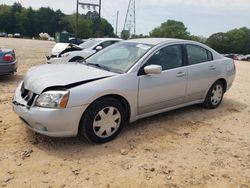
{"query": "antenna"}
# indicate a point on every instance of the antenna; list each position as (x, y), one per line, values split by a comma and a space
(130, 21)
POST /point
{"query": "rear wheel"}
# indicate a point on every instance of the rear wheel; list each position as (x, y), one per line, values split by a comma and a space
(103, 121)
(214, 95)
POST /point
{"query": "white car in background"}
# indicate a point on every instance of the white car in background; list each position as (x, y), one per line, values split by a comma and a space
(66, 52)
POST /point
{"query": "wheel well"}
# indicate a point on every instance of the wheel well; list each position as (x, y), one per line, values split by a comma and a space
(123, 101)
(224, 84)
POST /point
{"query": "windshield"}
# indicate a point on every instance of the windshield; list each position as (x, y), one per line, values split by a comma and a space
(119, 57)
(89, 43)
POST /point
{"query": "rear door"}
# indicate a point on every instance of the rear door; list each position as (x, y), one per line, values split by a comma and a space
(202, 71)
(167, 89)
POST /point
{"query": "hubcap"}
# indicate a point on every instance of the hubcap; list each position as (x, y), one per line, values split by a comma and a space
(216, 94)
(106, 122)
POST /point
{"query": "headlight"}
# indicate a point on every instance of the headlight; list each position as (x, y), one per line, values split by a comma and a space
(65, 55)
(53, 99)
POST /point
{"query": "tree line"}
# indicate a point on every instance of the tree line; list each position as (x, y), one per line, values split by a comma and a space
(233, 41)
(29, 22)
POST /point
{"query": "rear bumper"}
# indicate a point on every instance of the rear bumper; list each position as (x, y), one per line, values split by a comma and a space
(8, 68)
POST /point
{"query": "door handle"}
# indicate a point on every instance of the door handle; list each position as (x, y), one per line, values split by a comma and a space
(180, 74)
(212, 67)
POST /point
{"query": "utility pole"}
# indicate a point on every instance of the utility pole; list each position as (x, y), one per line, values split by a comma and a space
(100, 11)
(117, 17)
(130, 21)
(88, 5)
(77, 11)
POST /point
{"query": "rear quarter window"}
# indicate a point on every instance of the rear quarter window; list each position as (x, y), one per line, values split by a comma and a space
(197, 54)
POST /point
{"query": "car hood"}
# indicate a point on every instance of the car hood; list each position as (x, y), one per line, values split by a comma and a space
(60, 47)
(41, 77)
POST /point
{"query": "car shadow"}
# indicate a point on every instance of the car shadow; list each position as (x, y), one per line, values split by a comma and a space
(11, 79)
(141, 132)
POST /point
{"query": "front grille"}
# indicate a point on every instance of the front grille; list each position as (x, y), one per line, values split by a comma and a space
(24, 91)
(28, 96)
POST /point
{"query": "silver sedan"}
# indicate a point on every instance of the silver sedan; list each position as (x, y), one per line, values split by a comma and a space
(123, 83)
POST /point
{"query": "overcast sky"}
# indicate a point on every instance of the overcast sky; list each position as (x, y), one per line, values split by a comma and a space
(201, 17)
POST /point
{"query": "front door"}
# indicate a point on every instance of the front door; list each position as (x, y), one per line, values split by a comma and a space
(167, 89)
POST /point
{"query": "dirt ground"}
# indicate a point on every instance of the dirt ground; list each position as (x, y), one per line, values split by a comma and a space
(190, 147)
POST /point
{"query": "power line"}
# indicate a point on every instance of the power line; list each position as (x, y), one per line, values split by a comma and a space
(88, 6)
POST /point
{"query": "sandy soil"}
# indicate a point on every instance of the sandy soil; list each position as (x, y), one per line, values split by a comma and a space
(190, 147)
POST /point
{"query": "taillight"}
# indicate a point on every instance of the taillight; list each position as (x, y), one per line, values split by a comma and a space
(8, 57)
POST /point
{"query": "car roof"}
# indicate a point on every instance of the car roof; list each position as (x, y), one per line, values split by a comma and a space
(107, 39)
(155, 41)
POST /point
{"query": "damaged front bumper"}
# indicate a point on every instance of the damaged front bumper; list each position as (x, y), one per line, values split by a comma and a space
(46, 121)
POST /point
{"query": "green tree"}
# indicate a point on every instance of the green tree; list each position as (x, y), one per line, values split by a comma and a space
(234, 41)
(29, 22)
(216, 41)
(125, 34)
(198, 38)
(5, 18)
(84, 26)
(171, 29)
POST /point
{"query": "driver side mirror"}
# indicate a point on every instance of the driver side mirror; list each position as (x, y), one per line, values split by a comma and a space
(99, 48)
(153, 69)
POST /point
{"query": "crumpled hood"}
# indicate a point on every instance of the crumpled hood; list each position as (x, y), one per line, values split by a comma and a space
(41, 77)
(60, 47)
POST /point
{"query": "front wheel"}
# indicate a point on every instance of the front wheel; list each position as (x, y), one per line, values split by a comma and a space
(214, 95)
(103, 121)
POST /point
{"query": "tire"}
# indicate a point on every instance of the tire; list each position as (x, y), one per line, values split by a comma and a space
(103, 120)
(76, 59)
(214, 95)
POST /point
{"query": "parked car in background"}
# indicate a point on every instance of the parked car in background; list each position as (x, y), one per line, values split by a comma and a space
(76, 41)
(3, 34)
(240, 57)
(51, 39)
(10, 35)
(17, 35)
(125, 82)
(246, 58)
(8, 62)
(64, 52)
(232, 56)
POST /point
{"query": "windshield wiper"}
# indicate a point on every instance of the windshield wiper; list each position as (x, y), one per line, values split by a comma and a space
(98, 66)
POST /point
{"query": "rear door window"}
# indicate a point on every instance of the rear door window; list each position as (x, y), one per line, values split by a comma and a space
(197, 54)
